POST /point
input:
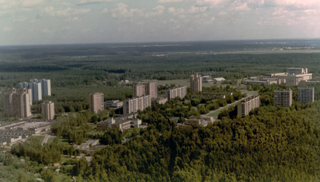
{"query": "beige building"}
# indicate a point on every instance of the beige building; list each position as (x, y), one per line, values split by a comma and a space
(305, 95)
(120, 123)
(18, 102)
(152, 89)
(195, 83)
(161, 100)
(297, 71)
(283, 98)
(96, 102)
(138, 89)
(47, 110)
(293, 80)
(136, 103)
(245, 106)
(180, 92)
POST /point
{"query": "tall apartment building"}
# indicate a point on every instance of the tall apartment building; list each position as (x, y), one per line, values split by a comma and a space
(46, 87)
(283, 98)
(195, 83)
(18, 102)
(136, 103)
(96, 102)
(152, 89)
(248, 104)
(38, 87)
(180, 92)
(47, 110)
(138, 90)
(305, 95)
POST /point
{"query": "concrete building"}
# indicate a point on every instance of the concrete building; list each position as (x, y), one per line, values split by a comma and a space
(96, 102)
(46, 87)
(305, 95)
(161, 100)
(136, 103)
(297, 71)
(138, 89)
(122, 123)
(293, 80)
(283, 98)
(18, 102)
(180, 92)
(207, 79)
(219, 79)
(245, 106)
(199, 120)
(36, 88)
(195, 83)
(152, 89)
(47, 110)
(114, 103)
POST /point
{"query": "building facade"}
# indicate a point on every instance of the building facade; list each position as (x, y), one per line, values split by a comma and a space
(36, 88)
(195, 83)
(245, 106)
(283, 98)
(46, 87)
(152, 89)
(180, 92)
(161, 100)
(47, 110)
(114, 103)
(138, 89)
(96, 102)
(18, 102)
(305, 95)
(297, 71)
(136, 103)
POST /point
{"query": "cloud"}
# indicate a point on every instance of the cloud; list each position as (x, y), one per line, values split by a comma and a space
(20, 19)
(73, 19)
(105, 10)
(46, 31)
(30, 3)
(85, 2)
(169, 1)
(123, 12)
(211, 3)
(7, 29)
(243, 7)
(51, 11)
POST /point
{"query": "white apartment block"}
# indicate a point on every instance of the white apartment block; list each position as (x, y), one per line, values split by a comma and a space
(180, 92)
(46, 87)
(195, 83)
(283, 98)
(47, 110)
(136, 103)
(18, 102)
(305, 95)
(245, 106)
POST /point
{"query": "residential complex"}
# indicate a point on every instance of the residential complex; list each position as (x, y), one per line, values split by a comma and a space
(305, 95)
(38, 87)
(195, 83)
(152, 89)
(283, 98)
(96, 102)
(245, 106)
(138, 89)
(18, 102)
(47, 110)
(136, 103)
(180, 92)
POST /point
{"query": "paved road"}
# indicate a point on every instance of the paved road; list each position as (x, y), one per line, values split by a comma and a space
(221, 108)
(45, 140)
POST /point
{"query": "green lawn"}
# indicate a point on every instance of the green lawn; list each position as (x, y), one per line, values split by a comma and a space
(39, 139)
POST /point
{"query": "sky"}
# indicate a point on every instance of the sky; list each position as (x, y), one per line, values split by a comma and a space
(30, 22)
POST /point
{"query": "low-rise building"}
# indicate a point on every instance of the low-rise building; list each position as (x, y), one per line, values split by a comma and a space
(161, 100)
(219, 79)
(199, 120)
(246, 105)
(207, 79)
(122, 123)
(114, 103)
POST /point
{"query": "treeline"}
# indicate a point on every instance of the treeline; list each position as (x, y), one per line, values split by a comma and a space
(276, 144)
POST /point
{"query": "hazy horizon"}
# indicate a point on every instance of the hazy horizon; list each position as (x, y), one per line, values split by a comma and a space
(39, 22)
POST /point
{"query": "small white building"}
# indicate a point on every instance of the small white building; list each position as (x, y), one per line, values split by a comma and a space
(219, 79)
